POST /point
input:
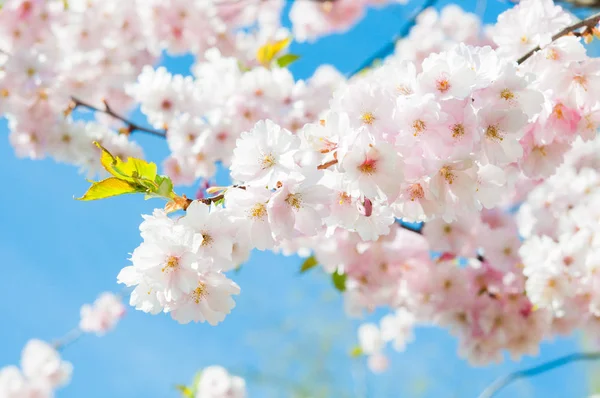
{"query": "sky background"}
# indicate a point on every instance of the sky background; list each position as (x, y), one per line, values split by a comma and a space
(288, 333)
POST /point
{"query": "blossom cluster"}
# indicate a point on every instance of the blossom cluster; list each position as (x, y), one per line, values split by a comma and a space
(440, 31)
(439, 141)
(103, 315)
(473, 287)
(51, 54)
(56, 54)
(179, 267)
(216, 382)
(454, 130)
(206, 114)
(559, 221)
(42, 371)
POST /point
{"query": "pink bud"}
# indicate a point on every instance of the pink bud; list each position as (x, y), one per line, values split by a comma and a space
(366, 207)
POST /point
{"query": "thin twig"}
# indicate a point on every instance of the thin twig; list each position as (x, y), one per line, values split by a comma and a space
(72, 336)
(588, 23)
(76, 333)
(504, 381)
(131, 126)
(327, 164)
(389, 47)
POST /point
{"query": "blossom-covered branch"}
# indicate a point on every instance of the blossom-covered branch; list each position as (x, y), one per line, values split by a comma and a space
(389, 47)
(503, 382)
(588, 23)
(131, 127)
(42, 369)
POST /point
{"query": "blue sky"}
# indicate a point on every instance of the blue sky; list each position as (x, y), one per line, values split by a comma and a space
(288, 332)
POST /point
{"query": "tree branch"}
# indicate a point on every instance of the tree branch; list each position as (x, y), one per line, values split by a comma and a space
(588, 23)
(389, 48)
(504, 381)
(131, 126)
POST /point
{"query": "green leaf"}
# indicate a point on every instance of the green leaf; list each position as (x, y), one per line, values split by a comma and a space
(339, 281)
(110, 187)
(287, 59)
(185, 391)
(165, 186)
(356, 352)
(309, 263)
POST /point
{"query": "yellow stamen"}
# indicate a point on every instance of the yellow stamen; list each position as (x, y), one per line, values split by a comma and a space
(458, 130)
(368, 118)
(294, 200)
(267, 161)
(507, 94)
(492, 132)
(258, 211)
(172, 264)
(419, 126)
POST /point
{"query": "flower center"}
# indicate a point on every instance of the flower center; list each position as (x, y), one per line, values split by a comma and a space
(418, 126)
(369, 166)
(507, 94)
(442, 85)
(344, 198)
(447, 174)
(258, 211)
(171, 265)
(166, 105)
(540, 149)
(267, 161)
(493, 133)
(404, 90)
(368, 118)
(207, 239)
(581, 80)
(458, 130)
(294, 200)
(415, 191)
(199, 293)
(552, 54)
(559, 111)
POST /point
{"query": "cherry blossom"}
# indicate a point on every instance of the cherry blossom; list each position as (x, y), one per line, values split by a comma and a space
(216, 382)
(103, 315)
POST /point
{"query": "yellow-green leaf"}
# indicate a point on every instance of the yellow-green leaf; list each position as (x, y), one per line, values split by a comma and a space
(309, 263)
(185, 391)
(109, 187)
(287, 59)
(267, 53)
(131, 170)
(196, 381)
(130, 176)
(165, 187)
(356, 352)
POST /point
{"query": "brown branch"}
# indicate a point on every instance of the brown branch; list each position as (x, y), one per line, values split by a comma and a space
(131, 126)
(327, 164)
(213, 199)
(588, 23)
